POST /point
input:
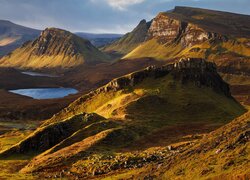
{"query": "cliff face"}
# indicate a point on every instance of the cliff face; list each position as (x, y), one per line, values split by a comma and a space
(54, 48)
(170, 30)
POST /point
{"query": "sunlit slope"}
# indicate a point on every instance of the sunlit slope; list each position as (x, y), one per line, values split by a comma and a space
(232, 56)
(116, 99)
(55, 48)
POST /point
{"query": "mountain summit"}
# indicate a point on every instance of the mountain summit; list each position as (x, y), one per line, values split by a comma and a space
(220, 37)
(54, 48)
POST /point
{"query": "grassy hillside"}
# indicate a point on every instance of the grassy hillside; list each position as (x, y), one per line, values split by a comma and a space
(148, 108)
(231, 56)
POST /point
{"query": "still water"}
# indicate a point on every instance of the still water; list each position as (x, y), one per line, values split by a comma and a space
(45, 93)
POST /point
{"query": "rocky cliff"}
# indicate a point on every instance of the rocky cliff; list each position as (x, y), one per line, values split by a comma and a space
(196, 70)
(54, 48)
(169, 30)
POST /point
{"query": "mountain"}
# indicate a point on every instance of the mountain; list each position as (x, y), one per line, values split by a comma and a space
(54, 48)
(12, 36)
(130, 40)
(220, 37)
(156, 106)
(99, 40)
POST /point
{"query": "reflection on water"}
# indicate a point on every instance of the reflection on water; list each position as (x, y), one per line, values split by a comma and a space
(45, 93)
(38, 74)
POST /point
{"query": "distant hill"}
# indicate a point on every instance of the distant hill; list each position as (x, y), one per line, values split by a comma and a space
(54, 48)
(99, 40)
(130, 40)
(13, 36)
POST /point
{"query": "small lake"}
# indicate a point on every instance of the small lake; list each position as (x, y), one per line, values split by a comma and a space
(45, 93)
(38, 74)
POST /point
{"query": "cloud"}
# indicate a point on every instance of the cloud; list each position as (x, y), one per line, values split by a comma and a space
(121, 4)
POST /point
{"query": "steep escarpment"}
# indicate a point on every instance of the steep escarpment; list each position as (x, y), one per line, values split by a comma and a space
(54, 48)
(224, 23)
(197, 33)
(169, 30)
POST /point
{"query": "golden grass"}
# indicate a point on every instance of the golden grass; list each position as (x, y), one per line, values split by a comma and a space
(207, 50)
(155, 50)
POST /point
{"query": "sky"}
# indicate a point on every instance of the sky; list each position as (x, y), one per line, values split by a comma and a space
(101, 16)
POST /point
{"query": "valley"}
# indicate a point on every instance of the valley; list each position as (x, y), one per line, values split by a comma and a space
(168, 100)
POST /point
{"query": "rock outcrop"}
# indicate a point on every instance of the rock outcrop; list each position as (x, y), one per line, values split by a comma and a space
(201, 72)
(167, 29)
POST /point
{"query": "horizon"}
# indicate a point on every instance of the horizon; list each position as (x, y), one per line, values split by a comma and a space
(120, 16)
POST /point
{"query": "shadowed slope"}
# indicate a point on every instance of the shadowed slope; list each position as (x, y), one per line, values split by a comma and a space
(13, 36)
